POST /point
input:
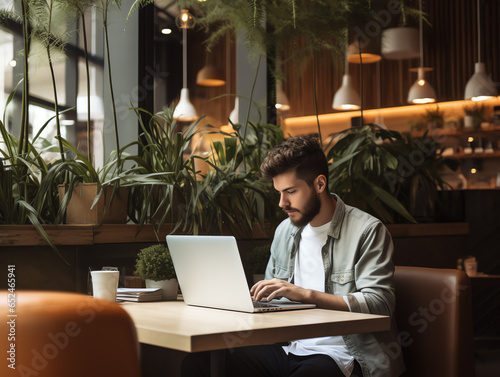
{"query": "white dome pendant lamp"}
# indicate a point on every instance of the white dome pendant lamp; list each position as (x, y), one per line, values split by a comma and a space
(421, 91)
(184, 111)
(480, 86)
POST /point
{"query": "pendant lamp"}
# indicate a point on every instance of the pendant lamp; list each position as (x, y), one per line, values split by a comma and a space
(234, 117)
(346, 98)
(184, 111)
(210, 75)
(400, 43)
(369, 51)
(480, 86)
(282, 102)
(421, 91)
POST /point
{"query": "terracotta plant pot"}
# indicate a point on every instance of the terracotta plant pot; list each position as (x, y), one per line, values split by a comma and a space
(79, 209)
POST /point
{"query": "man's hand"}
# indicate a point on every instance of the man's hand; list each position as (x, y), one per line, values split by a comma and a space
(270, 289)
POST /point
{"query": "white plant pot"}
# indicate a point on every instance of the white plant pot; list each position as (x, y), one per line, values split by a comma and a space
(468, 122)
(168, 288)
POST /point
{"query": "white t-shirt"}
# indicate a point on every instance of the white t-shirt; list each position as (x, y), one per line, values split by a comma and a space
(310, 274)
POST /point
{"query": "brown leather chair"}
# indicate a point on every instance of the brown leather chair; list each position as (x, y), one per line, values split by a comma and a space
(56, 334)
(434, 318)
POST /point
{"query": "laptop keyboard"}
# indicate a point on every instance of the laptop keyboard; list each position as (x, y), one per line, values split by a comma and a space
(258, 304)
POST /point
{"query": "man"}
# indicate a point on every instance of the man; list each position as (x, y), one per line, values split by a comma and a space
(329, 254)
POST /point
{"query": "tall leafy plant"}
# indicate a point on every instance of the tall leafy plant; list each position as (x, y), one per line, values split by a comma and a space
(22, 176)
(170, 191)
(23, 136)
(49, 24)
(239, 197)
(105, 6)
(82, 169)
(80, 8)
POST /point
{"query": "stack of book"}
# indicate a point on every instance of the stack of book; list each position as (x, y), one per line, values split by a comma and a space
(139, 294)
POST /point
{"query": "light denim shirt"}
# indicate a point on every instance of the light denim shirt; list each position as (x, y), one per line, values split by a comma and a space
(357, 261)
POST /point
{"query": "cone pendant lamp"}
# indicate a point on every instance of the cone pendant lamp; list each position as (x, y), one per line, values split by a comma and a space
(480, 86)
(421, 91)
(185, 111)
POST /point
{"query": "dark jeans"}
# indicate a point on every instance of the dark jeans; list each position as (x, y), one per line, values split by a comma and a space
(266, 361)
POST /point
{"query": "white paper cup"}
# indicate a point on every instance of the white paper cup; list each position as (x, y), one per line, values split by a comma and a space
(105, 284)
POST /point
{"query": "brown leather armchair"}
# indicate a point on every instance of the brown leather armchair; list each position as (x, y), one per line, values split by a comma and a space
(56, 334)
(434, 318)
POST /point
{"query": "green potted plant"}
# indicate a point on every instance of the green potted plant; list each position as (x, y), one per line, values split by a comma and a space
(27, 195)
(362, 160)
(257, 261)
(392, 177)
(154, 265)
(89, 195)
(433, 118)
(474, 116)
(419, 181)
(23, 198)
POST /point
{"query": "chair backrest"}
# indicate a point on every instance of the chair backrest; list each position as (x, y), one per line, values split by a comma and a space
(434, 318)
(57, 334)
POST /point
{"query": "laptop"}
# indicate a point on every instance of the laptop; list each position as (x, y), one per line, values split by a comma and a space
(210, 274)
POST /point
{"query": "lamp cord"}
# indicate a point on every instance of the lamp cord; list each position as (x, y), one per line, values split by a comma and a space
(478, 33)
(421, 37)
(361, 79)
(184, 58)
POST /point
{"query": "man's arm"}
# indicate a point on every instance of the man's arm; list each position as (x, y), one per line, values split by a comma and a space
(270, 289)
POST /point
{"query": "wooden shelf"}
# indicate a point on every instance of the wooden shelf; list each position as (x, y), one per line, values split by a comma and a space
(492, 130)
(462, 155)
(428, 229)
(74, 235)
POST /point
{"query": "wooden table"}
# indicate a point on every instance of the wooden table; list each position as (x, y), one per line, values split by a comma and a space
(185, 328)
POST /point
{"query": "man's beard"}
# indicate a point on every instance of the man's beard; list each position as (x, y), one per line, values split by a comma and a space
(311, 209)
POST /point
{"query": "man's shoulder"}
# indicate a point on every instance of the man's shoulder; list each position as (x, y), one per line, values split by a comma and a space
(356, 216)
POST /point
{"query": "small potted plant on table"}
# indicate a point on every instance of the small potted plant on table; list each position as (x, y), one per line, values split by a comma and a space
(154, 265)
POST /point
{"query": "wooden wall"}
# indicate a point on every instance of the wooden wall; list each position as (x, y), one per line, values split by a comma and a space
(450, 48)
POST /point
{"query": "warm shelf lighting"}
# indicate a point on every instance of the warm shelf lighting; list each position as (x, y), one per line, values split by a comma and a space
(395, 118)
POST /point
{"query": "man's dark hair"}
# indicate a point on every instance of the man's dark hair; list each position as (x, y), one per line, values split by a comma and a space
(302, 154)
